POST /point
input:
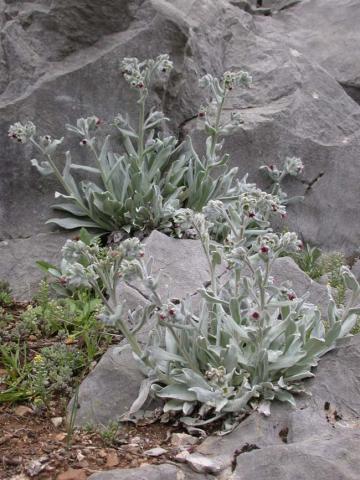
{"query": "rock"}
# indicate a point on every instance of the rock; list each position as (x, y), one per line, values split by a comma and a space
(306, 432)
(183, 440)
(72, 474)
(286, 270)
(155, 452)
(109, 390)
(18, 259)
(151, 472)
(112, 460)
(23, 410)
(334, 458)
(182, 266)
(57, 421)
(293, 108)
(326, 31)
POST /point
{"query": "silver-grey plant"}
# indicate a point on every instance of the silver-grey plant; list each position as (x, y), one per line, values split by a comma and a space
(142, 187)
(249, 342)
(293, 167)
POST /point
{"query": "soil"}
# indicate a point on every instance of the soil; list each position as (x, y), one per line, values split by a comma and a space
(32, 447)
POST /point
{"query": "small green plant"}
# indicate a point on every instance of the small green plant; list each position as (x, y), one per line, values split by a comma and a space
(332, 264)
(309, 260)
(141, 188)
(5, 294)
(109, 434)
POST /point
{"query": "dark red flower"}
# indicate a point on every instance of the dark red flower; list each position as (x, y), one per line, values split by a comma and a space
(255, 315)
(264, 249)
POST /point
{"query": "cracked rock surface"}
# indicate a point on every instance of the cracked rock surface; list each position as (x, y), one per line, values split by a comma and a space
(60, 60)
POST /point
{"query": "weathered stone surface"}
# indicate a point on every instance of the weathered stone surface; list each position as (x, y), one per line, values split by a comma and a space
(321, 425)
(18, 261)
(333, 458)
(327, 31)
(110, 389)
(151, 472)
(294, 107)
(181, 264)
(286, 270)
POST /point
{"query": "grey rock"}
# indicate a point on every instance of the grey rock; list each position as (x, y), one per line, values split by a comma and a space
(320, 424)
(286, 270)
(332, 458)
(294, 107)
(181, 264)
(151, 472)
(327, 31)
(18, 259)
(110, 389)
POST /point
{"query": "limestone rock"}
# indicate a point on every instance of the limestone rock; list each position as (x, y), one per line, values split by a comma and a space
(18, 261)
(327, 31)
(109, 390)
(293, 108)
(151, 472)
(181, 264)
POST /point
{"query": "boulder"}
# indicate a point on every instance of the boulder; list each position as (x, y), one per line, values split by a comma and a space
(293, 108)
(109, 390)
(18, 259)
(181, 265)
(327, 31)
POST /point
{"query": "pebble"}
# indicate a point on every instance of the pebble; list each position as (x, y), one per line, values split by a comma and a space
(22, 410)
(112, 460)
(183, 440)
(57, 421)
(72, 474)
(155, 452)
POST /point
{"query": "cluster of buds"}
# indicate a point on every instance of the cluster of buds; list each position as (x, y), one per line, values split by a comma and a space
(84, 128)
(216, 375)
(22, 132)
(131, 248)
(267, 243)
(202, 111)
(290, 243)
(293, 166)
(167, 312)
(77, 276)
(74, 250)
(258, 204)
(138, 74)
(236, 79)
